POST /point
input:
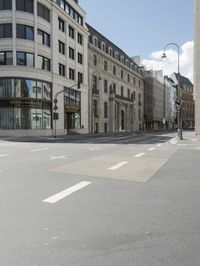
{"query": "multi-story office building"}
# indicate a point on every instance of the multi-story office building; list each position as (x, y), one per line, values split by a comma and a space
(43, 50)
(116, 87)
(197, 65)
(154, 100)
(159, 101)
(186, 100)
(169, 120)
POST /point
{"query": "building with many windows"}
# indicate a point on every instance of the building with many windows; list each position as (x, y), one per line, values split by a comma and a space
(186, 100)
(116, 87)
(159, 101)
(43, 51)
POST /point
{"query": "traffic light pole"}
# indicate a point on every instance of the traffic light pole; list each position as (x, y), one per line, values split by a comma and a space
(56, 115)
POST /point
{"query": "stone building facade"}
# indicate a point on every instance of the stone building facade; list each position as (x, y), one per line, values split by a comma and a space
(43, 50)
(197, 64)
(186, 100)
(116, 87)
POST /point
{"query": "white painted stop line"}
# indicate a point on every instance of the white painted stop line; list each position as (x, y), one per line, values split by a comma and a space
(63, 194)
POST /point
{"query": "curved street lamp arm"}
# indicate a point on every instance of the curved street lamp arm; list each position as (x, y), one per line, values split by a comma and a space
(178, 50)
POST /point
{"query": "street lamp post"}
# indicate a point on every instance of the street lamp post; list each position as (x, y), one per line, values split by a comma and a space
(178, 101)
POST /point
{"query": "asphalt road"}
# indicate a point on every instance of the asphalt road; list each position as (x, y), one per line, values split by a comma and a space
(117, 199)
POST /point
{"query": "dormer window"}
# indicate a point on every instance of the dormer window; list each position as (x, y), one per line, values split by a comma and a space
(95, 41)
(103, 47)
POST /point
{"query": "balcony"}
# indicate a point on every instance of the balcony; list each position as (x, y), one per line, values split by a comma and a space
(122, 98)
(95, 91)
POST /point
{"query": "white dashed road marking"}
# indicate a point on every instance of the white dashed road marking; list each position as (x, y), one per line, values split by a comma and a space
(63, 157)
(3, 155)
(139, 155)
(114, 167)
(151, 149)
(158, 145)
(59, 196)
(42, 149)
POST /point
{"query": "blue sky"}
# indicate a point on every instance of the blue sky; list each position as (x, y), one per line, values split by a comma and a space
(140, 27)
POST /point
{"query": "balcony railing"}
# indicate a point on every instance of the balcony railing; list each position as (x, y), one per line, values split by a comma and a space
(127, 99)
(95, 91)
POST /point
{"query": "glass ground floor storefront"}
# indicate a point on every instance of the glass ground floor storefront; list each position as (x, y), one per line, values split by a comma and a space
(25, 104)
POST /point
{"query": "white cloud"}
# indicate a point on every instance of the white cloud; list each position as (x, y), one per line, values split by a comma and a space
(170, 63)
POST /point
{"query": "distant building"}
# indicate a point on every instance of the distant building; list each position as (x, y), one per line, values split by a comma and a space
(116, 87)
(159, 102)
(186, 100)
(154, 100)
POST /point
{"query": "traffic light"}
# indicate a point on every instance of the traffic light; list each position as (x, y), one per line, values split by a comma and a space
(55, 116)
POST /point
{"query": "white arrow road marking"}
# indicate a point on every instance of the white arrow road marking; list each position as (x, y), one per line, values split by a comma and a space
(3, 155)
(42, 149)
(114, 167)
(139, 155)
(59, 196)
(63, 157)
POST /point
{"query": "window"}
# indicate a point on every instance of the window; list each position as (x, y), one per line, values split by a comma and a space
(139, 99)
(80, 38)
(80, 58)
(114, 70)
(70, 10)
(5, 4)
(71, 74)
(122, 91)
(6, 30)
(105, 128)
(105, 110)
(128, 78)
(71, 53)
(25, 59)
(114, 88)
(95, 106)
(25, 32)
(71, 32)
(43, 38)
(105, 65)
(122, 74)
(44, 63)
(80, 77)
(94, 83)
(6, 58)
(94, 60)
(105, 86)
(128, 93)
(61, 70)
(61, 47)
(61, 24)
(24, 5)
(43, 12)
